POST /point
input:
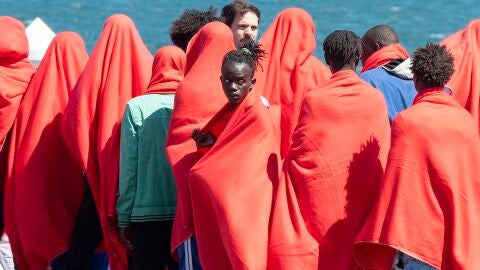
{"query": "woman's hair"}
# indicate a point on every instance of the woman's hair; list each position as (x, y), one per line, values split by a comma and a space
(342, 47)
(433, 64)
(249, 53)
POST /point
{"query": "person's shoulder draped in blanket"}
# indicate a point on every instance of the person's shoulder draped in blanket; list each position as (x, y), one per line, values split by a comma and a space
(44, 189)
(336, 160)
(290, 69)
(198, 97)
(429, 196)
(465, 81)
(386, 66)
(231, 185)
(119, 68)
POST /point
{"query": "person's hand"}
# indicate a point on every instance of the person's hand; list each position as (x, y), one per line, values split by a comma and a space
(125, 237)
(204, 139)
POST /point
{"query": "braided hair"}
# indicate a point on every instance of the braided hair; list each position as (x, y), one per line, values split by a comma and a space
(342, 47)
(433, 64)
(250, 53)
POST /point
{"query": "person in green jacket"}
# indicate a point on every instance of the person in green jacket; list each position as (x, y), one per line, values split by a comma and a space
(146, 192)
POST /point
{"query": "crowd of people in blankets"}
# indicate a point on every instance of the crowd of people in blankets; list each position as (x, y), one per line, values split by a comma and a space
(220, 152)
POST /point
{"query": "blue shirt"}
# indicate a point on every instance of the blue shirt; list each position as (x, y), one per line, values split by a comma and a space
(399, 93)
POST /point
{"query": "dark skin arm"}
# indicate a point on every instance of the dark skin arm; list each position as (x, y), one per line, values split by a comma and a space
(203, 139)
(125, 238)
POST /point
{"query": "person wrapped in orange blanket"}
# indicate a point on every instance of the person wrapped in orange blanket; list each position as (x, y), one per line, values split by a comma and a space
(231, 185)
(15, 71)
(428, 201)
(44, 185)
(15, 74)
(337, 157)
(197, 99)
(465, 81)
(290, 69)
(119, 68)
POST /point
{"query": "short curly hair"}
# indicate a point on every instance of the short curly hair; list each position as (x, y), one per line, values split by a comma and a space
(433, 64)
(188, 24)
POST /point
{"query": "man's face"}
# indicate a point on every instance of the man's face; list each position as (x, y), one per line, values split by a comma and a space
(244, 28)
(237, 80)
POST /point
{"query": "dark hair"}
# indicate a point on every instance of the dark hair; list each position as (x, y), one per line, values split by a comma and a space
(237, 7)
(342, 47)
(188, 24)
(433, 64)
(250, 53)
(381, 34)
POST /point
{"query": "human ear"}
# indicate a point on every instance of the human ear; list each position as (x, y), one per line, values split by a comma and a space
(252, 84)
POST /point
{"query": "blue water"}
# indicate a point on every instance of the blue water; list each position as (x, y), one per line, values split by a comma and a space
(417, 21)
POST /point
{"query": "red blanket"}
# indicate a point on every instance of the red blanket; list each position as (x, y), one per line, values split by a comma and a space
(167, 70)
(119, 68)
(199, 96)
(429, 199)
(336, 162)
(15, 71)
(384, 56)
(289, 70)
(44, 189)
(465, 82)
(231, 190)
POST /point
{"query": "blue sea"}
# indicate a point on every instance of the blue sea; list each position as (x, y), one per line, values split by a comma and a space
(416, 21)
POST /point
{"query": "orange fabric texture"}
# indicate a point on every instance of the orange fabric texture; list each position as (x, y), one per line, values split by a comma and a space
(384, 56)
(231, 190)
(289, 70)
(15, 71)
(291, 246)
(465, 82)
(215, 127)
(429, 198)
(44, 188)
(167, 71)
(199, 96)
(336, 162)
(119, 68)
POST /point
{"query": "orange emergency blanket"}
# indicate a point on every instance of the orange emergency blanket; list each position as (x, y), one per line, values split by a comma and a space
(336, 162)
(199, 96)
(465, 82)
(231, 190)
(44, 188)
(167, 71)
(428, 202)
(384, 56)
(15, 71)
(289, 70)
(119, 68)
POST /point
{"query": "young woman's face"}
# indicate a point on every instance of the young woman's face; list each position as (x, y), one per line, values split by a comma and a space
(237, 80)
